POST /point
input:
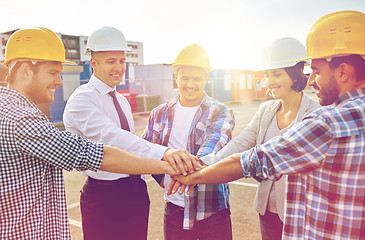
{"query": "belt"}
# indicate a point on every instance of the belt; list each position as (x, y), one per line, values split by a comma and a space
(108, 182)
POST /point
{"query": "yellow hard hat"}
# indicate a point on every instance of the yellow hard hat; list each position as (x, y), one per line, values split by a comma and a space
(192, 55)
(337, 34)
(34, 44)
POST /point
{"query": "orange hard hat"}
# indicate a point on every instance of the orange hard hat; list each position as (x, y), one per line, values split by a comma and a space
(37, 44)
(337, 34)
(192, 55)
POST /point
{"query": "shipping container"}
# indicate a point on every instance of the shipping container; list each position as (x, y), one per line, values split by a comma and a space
(219, 85)
(243, 86)
(146, 103)
(155, 79)
(71, 80)
(261, 89)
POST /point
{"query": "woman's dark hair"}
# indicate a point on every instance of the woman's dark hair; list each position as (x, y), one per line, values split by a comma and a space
(297, 75)
(355, 60)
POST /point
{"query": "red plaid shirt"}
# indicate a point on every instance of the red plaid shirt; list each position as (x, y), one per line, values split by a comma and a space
(324, 157)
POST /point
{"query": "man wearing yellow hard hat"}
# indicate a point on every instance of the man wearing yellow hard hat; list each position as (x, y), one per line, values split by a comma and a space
(33, 153)
(196, 122)
(323, 156)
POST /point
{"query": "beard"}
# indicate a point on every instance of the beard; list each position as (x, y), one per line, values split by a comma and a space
(329, 92)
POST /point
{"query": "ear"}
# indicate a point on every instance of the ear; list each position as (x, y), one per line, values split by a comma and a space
(93, 62)
(176, 78)
(345, 72)
(25, 73)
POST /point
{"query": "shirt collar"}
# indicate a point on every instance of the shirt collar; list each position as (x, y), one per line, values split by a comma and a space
(13, 94)
(205, 101)
(100, 86)
(349, 95)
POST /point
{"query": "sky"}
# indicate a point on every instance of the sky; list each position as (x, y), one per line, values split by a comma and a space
(234, 32)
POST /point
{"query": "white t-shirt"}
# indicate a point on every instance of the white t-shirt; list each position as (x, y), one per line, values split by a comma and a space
(183, 118)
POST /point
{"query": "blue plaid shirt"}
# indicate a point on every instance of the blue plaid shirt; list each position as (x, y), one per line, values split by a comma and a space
(33, 154)
(324, 157)
(210, 130)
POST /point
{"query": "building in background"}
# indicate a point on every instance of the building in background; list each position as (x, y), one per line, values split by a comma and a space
(4, 39)
(145, 86)
(226, 85)
(154, 79)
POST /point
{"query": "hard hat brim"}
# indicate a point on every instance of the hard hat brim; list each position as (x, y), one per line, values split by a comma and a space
(271, 67)
(69, 63)
(328, 57)
(89, 51)
(176, 67)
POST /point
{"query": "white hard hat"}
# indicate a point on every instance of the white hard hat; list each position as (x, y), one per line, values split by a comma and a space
(282, 53)
(106, 39)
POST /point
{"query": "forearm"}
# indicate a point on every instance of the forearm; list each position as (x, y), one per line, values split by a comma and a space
(119, 161)
(228, 169)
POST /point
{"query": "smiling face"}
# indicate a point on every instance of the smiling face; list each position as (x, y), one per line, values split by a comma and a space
(191, 82)
(43, 83)
(322, 79)
(109, 66)
(279, 83)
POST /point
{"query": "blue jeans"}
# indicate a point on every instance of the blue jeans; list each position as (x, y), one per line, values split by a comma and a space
(271, 226)
(217, 226)
(114, 210)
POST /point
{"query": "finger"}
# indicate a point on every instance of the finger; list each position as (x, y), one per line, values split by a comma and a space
(170, 186)
(172, 163)
(196, 164)
(176, 187)
(169, 157)
(200, 165)
(189, 161)
(179, 161)
(182, 189)
(162, 183)
(190, 190)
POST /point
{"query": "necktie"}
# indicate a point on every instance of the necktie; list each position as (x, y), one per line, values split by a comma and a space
(124, 125)
(123, 120)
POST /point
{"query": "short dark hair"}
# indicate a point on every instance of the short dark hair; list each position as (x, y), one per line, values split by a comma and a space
(297, 75)
(10, 77)
(355, 60)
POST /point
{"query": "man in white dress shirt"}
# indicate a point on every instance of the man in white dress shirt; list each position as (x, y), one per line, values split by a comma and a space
(113, 206)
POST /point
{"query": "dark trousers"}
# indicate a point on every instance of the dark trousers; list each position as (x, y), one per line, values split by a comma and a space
(217, 226)
(113, 210)
(271, 226)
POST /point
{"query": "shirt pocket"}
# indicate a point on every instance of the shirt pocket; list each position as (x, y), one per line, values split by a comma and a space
(158, 127)
(200, 131)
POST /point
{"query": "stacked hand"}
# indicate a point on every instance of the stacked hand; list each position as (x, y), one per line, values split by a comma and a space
(181, 161)
(184, 165)
(182, 181)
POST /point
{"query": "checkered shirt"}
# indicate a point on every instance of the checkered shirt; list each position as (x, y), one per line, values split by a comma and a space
(210, 130)
(32, 155)
(324, 157)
